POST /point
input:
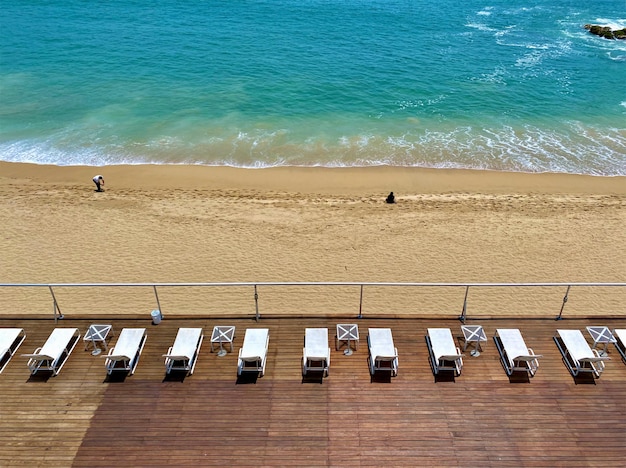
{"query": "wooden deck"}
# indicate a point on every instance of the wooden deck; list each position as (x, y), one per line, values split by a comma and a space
(482, 418)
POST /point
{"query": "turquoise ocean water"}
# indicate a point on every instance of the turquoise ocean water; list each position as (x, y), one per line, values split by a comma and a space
(486, 84)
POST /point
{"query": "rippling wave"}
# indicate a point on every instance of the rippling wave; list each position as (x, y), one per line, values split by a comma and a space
(485, 85)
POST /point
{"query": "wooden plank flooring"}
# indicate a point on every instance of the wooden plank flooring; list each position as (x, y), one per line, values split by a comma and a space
(80, 419)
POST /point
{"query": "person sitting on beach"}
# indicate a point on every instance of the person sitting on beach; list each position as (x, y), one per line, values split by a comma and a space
(99, 181)
(390, 198)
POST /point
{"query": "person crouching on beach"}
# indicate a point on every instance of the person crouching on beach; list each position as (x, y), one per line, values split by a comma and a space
(99, 181)
(390, 198)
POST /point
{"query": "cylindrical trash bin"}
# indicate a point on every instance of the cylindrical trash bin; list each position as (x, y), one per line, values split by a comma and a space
(156, 316)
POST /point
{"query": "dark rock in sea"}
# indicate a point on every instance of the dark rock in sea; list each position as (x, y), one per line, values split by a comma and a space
(606, 32)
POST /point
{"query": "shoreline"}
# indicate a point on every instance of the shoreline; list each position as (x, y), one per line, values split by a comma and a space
(328, 180)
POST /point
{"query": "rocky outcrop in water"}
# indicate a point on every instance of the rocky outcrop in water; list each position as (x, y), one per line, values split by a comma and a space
(606, 32)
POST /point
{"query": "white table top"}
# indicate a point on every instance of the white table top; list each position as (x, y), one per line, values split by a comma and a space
(254, 343)
(347, 331)
(474, 333)
(513, 343)
(576, 344)
(223, 334)
(128, 343)
(186, 342)
(381, 342)
(621, 334)
(57, 342)
(316, 342)
(97, 332)
(601, 334)
(8, 337)
(442, 342)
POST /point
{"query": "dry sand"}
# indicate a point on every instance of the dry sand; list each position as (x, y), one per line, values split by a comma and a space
(209, 224)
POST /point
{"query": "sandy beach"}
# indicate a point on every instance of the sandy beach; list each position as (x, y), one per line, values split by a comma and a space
(219, 224)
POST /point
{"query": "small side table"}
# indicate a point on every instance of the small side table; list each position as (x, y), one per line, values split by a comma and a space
(223, 334)
(473, 334)
(601, 335)
(347, 332)
(97, 333)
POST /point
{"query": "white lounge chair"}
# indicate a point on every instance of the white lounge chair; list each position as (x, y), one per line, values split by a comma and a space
(383, 354)
(55, 351)
(514, 353)
(577, 354)
(10, 340)
(316, 353)
(253, 353)
(184, 353)
(620, 344)
(444, 354)
(125, 355)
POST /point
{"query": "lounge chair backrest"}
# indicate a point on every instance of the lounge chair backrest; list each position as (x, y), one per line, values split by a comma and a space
(378, 357)
(39, 356)
(450, 357)
(251, 358)
(529, 357)
(174, 357)
(117, 357)
(595, 359)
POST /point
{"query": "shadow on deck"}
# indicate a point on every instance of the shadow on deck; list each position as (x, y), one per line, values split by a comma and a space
(349, 419)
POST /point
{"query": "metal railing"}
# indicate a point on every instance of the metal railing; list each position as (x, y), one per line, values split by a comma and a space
(360, 285)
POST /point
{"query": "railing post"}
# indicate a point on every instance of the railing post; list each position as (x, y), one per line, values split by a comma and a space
(464, 311)
(157, 299)
(55, 306)
(558, 317)
(256, 304)
(361, 304)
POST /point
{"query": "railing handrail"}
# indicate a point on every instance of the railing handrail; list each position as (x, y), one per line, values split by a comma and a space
(305, 283)
(256, 284)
